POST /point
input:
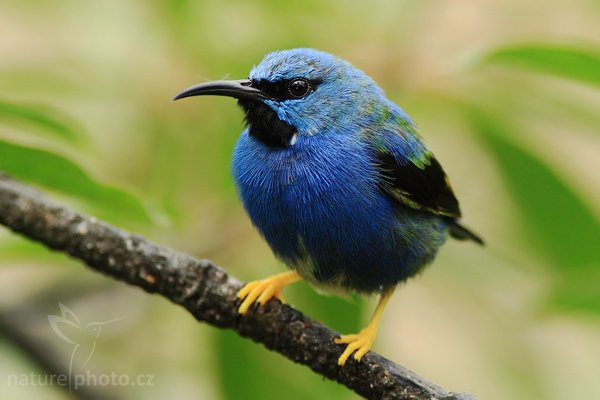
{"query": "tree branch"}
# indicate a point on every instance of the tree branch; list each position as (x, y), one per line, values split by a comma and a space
(207, 292)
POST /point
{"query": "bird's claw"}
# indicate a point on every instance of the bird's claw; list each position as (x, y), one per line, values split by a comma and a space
(358, 343)
(260, 292)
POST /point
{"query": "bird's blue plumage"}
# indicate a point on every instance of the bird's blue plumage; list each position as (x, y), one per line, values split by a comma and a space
(320, 200)
(318, 205)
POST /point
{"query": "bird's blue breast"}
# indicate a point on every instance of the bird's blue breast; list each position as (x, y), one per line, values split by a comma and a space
(319, 206)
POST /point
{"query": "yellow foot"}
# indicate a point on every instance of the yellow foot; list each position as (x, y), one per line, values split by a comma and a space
(362, 341)
(358, 343)
(264, 290)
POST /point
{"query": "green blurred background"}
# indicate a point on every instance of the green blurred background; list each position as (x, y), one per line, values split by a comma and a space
(506, 93)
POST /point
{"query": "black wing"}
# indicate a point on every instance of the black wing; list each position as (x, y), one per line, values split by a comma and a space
(424, 188)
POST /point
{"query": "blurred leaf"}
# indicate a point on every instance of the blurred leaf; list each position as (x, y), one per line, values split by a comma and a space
(568, 62)
(249, 371)
(49, 120)
(557, 219)
(554, 217)
(578, 290)
(16, 247)
(55, 172)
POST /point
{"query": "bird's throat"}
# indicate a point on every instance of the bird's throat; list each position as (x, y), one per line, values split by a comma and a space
(265, 125)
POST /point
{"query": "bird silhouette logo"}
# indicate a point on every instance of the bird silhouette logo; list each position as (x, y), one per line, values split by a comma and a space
(82, 337)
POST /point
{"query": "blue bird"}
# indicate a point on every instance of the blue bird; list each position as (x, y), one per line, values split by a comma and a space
(337, 180)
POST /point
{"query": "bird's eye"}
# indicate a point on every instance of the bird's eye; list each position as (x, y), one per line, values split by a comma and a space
(298, 87)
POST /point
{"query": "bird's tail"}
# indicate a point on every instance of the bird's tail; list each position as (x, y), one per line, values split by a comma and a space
(458, 231)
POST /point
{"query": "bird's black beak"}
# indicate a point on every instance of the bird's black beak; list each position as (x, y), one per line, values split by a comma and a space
(241, 89)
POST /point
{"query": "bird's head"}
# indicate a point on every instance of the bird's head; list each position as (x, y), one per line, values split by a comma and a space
(299, 92)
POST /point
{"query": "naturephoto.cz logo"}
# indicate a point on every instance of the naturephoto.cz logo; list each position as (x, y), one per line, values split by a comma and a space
(82, 339)
(76, 381)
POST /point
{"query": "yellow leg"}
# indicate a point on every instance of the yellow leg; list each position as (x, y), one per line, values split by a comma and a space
(263, 290)
(362, 341)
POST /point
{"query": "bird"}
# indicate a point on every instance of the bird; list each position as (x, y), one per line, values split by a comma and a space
(337, 180)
